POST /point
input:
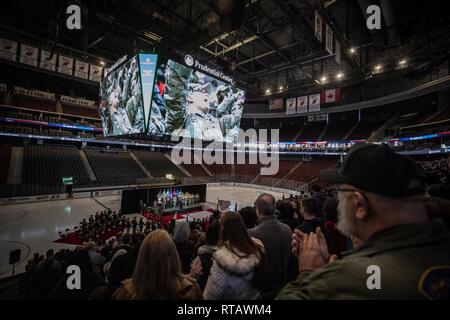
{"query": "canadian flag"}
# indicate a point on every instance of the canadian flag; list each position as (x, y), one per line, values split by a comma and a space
(332, 95)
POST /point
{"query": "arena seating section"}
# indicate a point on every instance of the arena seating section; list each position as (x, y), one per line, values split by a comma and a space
(114, 167)
(44, 167)
(158, 164)
(337, 130)
(308, 170)
(364, 129)
(34, 103)
(196, 170)
(79, 111)
(312, 131)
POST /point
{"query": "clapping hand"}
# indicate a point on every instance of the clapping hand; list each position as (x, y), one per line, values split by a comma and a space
(311, 250)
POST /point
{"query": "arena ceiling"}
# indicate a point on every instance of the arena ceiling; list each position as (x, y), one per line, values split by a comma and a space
(264, 44)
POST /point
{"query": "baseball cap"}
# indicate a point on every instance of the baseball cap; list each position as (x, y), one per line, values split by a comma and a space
(378, 169)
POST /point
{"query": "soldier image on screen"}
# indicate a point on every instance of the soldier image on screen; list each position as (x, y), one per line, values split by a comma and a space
(195, 105)
(121, 108)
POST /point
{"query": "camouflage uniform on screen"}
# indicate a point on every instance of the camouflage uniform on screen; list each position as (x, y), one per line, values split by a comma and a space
(178, 120)
(157, 125)
(177, 79)
(201, 126)
(414, 262)
(135, 109)
(120, 122)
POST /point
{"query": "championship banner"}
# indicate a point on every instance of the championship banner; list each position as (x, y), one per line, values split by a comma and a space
(8, 49)
(46, 62)
(95, 73)
(291, 105)
(65, 65)
(314, 102)
(81, 69)
(29, 55)
(276, 104)
(329, 39)
(302, 104)
(3, 87)
(332, 95)
(318, 27)
(337, 50)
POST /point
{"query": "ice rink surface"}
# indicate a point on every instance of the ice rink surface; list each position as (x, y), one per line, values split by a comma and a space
(33, 227)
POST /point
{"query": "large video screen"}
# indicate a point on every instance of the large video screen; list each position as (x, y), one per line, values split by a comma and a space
(189, 103)
(125, 96)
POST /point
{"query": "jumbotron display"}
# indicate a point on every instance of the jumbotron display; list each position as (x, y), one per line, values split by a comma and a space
(125, 96)
(190, 103)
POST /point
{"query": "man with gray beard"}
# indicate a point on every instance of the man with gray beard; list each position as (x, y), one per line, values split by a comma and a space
(403, 255)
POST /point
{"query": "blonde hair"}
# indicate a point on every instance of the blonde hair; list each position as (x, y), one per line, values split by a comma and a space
(157, 274)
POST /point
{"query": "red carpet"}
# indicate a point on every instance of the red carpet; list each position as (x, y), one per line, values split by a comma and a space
(166, 219)
(74, 239)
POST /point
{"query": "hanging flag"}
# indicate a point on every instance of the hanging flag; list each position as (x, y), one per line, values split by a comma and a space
(332, 95)
(29, 55)
(276, 103)
(302, 104)
(337, 50)
(291, 105)
(81, 69)
(314, 102)
(95, 73)
(48, 62)
(318, 27)
(329, 39)
(65, 65)
(8, 49)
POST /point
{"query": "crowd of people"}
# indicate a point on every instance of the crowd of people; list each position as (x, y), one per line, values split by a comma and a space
(317, 245)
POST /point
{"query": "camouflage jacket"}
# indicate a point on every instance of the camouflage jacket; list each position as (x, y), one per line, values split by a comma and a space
(414, 262)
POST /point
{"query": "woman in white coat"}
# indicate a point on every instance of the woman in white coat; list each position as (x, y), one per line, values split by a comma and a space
(236, 263)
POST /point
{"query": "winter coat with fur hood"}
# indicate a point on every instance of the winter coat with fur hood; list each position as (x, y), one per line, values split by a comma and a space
(232, 275)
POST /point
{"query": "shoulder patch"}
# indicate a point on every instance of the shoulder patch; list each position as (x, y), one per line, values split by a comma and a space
(434, 283)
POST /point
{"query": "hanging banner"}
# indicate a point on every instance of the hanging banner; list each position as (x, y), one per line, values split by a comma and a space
(65, 65)
(28, 55)
(46, 62)
(81, 69)
(332, 95)
(276, 104)
(302, 104)
(314, 102)
(329, 39)
(8, 49)
(337, 50)
(318, 27)
(95, 73)
(291, 105)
